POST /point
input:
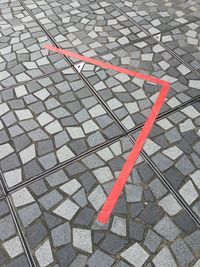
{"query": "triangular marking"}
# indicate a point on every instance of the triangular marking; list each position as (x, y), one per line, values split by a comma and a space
(79, 66)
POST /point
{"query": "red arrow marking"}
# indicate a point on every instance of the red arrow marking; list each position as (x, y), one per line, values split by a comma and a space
(134, 154)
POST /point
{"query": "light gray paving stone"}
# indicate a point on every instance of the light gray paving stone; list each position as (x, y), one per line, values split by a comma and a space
(44, 254)
(13, 247)
(13, 177)
(167, 229)
(152, 241)
(136, 255)
(82, 239)
(188, 192)
(100, 259)
(133, 193)
(50, 200)
(67, 209)
(170, 205)
(97, 197)
(119, 226)
(6, 223)
(182, 252)
(29, 214)
(22, 197)
(164, 258)
(61, 235)
(71, 187)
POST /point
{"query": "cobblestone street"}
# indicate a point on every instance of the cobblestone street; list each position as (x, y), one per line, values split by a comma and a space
(67, 128)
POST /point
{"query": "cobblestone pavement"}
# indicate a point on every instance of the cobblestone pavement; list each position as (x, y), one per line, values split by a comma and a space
(65, 133)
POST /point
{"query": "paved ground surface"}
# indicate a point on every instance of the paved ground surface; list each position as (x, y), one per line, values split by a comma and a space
(65, 134)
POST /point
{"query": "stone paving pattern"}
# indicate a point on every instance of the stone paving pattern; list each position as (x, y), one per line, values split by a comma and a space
(66, 133)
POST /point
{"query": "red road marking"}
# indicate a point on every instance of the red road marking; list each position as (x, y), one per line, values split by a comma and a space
(134, 154)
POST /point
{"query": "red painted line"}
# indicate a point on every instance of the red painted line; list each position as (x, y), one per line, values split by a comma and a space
(134, 154)
(106, 65)
(132, 158)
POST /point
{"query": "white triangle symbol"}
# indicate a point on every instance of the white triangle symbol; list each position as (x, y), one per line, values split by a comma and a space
(158, 37)
(79, 66)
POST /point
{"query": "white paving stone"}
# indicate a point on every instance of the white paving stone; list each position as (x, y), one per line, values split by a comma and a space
(119, 226)
(165, 124)
(189, 193)
(22, 197)
(114, 104)
(97, 197)
(3, 108)
(54, 127)
(132, 107)
(13, 247)
(128, 122)
(82, 239)
(75, 132)
(173, 152)
(164, 258)
(5, 150)
(186, 126)
(21, 91)
(71, 187)
(97, 111)
(170, 205)
(44, 254)
(105, 154)
(136, 255)
(196, 178)
(103, 174)
(13, 177)
(64, 153)
(151, 147)
(67, 209)
(90, 126)
(191, 112)
(42, 94)
(23, 114)
(44, 118)
(27, 154)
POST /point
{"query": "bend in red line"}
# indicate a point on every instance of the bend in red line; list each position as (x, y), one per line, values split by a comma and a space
(134, 154)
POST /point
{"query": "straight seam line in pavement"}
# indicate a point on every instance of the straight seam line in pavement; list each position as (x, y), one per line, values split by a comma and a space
(25, 245)
(167, 184)
(65, 164)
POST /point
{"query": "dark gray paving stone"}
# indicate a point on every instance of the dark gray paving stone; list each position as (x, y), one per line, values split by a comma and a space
(65, 255)
(100, 259)
(113, 244)
(152, 241)
(68, 229)
(182, 253)
(151, 214)
(136, 231)
(35, 234)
